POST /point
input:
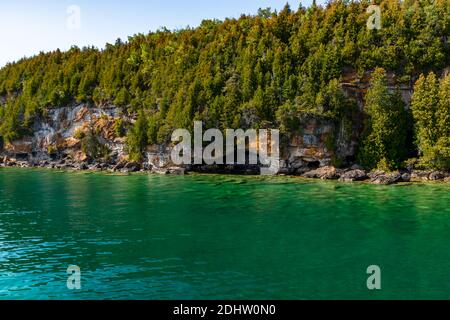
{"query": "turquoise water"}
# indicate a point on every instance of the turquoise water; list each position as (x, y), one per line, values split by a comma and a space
(219, 237)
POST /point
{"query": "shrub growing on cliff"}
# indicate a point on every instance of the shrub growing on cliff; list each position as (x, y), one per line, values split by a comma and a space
(79, 134)
(137, 138)
(384, 140)
(92, 147)
(153, 127)
(119, 128)
(431, 111)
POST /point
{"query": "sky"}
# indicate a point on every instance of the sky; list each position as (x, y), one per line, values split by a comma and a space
(29, 26)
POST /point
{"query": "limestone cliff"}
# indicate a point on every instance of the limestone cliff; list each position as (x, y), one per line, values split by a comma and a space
(318, 142)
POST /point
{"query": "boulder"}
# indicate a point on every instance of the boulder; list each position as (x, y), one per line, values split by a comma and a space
(23, 164)
(436, 175)
(324, 173)
(119, 166)
(406, 177)
(380, 177)
(81, 166)
(353, 175)
(171, 170)
(43, 163)
(94, 167)
(161, 171)
(131, 167)
(11, 163)
(177, 170)
(103, 166)
(420, 176)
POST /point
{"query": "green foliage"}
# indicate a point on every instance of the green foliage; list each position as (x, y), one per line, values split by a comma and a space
(431, 111)
(119, 128)
(79, 134)
(122, 97)
(438, 155)
(51, 149)
(384, 141)
(153, 127)
(137, 138)
(270, 69)
(92, 146)
(288, 119)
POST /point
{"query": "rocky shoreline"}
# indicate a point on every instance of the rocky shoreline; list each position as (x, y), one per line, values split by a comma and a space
(356, 173)
(352, 174)
(59, 142)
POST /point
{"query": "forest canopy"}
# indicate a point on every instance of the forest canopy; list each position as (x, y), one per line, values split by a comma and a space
(263, 70)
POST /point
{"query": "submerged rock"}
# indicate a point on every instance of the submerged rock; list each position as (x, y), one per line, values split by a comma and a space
(162, 171)
(177, 170)
(171, 170)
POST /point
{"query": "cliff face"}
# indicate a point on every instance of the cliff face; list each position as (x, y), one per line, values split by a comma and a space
(55, 134)
(318, 142)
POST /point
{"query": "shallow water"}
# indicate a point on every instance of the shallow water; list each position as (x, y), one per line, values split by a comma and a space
(219, 237)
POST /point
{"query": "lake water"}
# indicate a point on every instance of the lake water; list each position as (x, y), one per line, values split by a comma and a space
(219, 237)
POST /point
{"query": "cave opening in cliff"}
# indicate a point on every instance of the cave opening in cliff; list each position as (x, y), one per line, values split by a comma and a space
(313, 164)
(21, 156)
(53, 156)
(350, 159)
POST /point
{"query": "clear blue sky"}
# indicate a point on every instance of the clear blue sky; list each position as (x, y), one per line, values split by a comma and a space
(29, 26)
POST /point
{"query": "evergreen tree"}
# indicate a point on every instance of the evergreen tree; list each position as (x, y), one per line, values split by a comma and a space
(92, 147)
(384, 141)
(137, 138)
(431, 111)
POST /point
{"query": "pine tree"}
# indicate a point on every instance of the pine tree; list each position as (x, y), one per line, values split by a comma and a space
(137, 138)
(384, 141)
(431, 111)
(424, 106)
